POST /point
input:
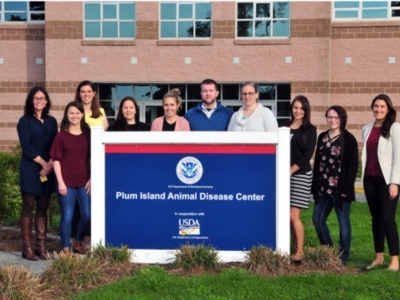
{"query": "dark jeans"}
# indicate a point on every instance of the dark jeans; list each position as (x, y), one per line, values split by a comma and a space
(383, 212)
(320, 215)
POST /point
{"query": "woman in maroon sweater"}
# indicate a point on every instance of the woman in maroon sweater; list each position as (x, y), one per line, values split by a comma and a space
(71, 155)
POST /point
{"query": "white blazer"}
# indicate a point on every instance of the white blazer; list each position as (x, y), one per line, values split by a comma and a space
(388, 153)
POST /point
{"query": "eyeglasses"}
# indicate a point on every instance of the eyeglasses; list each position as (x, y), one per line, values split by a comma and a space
(333, 118)
(39, 99)
(247, 94)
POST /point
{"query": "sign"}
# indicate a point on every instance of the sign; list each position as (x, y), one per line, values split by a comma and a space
(157, 191)
(163, 196)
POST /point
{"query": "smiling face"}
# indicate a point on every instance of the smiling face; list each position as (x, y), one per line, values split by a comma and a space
(39, 102)
(298, 111)
(86, 94)
(209, 95)
(249, 95)
(380, 110)
(74, 115)
(170, 106)
(129, 111)
(333, 120)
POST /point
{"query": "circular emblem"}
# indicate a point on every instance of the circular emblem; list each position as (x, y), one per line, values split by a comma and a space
(189, 170)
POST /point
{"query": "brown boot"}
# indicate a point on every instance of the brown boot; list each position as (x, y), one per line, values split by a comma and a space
(77, 247)
(41, 229)
(26, 234)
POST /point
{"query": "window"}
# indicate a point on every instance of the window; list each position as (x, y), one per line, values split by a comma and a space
(185, 20)
(263, 19)
(359, 10)
(22, 11)
(275, 96)
(110, 20)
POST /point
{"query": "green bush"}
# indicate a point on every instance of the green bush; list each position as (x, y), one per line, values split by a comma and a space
(73, 271)
(112, 255)
(264, 260)
(323, 256)
(10, 196)
(190, 256)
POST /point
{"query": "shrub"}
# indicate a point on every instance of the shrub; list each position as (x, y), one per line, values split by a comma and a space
(190, 256)
(323, 256)
(19, 283)
(10, 196)
(73, 271)
(263, 260)
(112, 255)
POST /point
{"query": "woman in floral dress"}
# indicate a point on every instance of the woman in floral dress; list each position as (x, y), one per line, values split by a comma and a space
(335, 171)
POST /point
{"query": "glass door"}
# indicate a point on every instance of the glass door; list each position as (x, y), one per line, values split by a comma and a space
(150, 110)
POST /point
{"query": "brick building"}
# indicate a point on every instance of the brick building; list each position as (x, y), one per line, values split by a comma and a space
(333, 52)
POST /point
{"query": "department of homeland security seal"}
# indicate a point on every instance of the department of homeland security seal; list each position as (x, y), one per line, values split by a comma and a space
(189, 170)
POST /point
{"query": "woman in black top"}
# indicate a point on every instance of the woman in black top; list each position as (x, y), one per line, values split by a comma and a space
(302, 143)
(128, 117)
(335, 171)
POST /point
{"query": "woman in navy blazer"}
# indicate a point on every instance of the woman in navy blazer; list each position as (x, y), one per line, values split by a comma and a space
(381, 176)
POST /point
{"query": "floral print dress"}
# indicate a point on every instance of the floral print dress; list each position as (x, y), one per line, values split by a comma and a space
(330, 163)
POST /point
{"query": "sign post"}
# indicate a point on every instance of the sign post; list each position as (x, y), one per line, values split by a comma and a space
(156, 191)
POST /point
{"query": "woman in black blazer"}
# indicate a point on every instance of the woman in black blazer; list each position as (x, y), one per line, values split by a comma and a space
(335, 171)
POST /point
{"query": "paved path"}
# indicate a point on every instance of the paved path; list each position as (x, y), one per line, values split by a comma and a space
(15, 258)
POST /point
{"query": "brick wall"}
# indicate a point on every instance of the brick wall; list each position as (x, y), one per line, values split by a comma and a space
(22, 33)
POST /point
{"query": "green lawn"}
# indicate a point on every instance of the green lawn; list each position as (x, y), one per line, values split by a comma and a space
(154, 282)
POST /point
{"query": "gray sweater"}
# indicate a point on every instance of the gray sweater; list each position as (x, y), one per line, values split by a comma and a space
(262, 119)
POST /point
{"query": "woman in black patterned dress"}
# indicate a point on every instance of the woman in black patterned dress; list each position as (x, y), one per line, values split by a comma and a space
(335, 171)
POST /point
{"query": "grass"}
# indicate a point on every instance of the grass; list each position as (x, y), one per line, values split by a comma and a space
(238, 284)
(154, 282)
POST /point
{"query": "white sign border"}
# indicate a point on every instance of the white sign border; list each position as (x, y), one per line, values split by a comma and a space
(281, 139)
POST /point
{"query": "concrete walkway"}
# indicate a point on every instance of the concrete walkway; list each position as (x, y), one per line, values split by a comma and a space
(15, 258)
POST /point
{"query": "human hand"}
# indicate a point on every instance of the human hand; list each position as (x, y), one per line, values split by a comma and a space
(393, 190)
(62, 189)
(47, 168)
(88, 187)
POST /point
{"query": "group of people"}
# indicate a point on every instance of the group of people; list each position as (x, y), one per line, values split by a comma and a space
(57, 160)
(330, 180)
(332, 177)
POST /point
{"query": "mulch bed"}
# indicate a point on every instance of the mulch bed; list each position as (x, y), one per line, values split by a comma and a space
(10, 239)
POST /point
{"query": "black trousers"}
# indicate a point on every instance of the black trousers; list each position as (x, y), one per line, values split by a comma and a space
(383, 212)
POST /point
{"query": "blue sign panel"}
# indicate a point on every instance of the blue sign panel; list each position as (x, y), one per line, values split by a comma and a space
(160, 197)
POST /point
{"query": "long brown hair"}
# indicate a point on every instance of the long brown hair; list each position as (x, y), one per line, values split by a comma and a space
(95, 105)
(65, 122)
(390, 117)
(305, 104)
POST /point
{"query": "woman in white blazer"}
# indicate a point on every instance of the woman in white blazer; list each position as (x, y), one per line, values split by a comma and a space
(381, 177)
